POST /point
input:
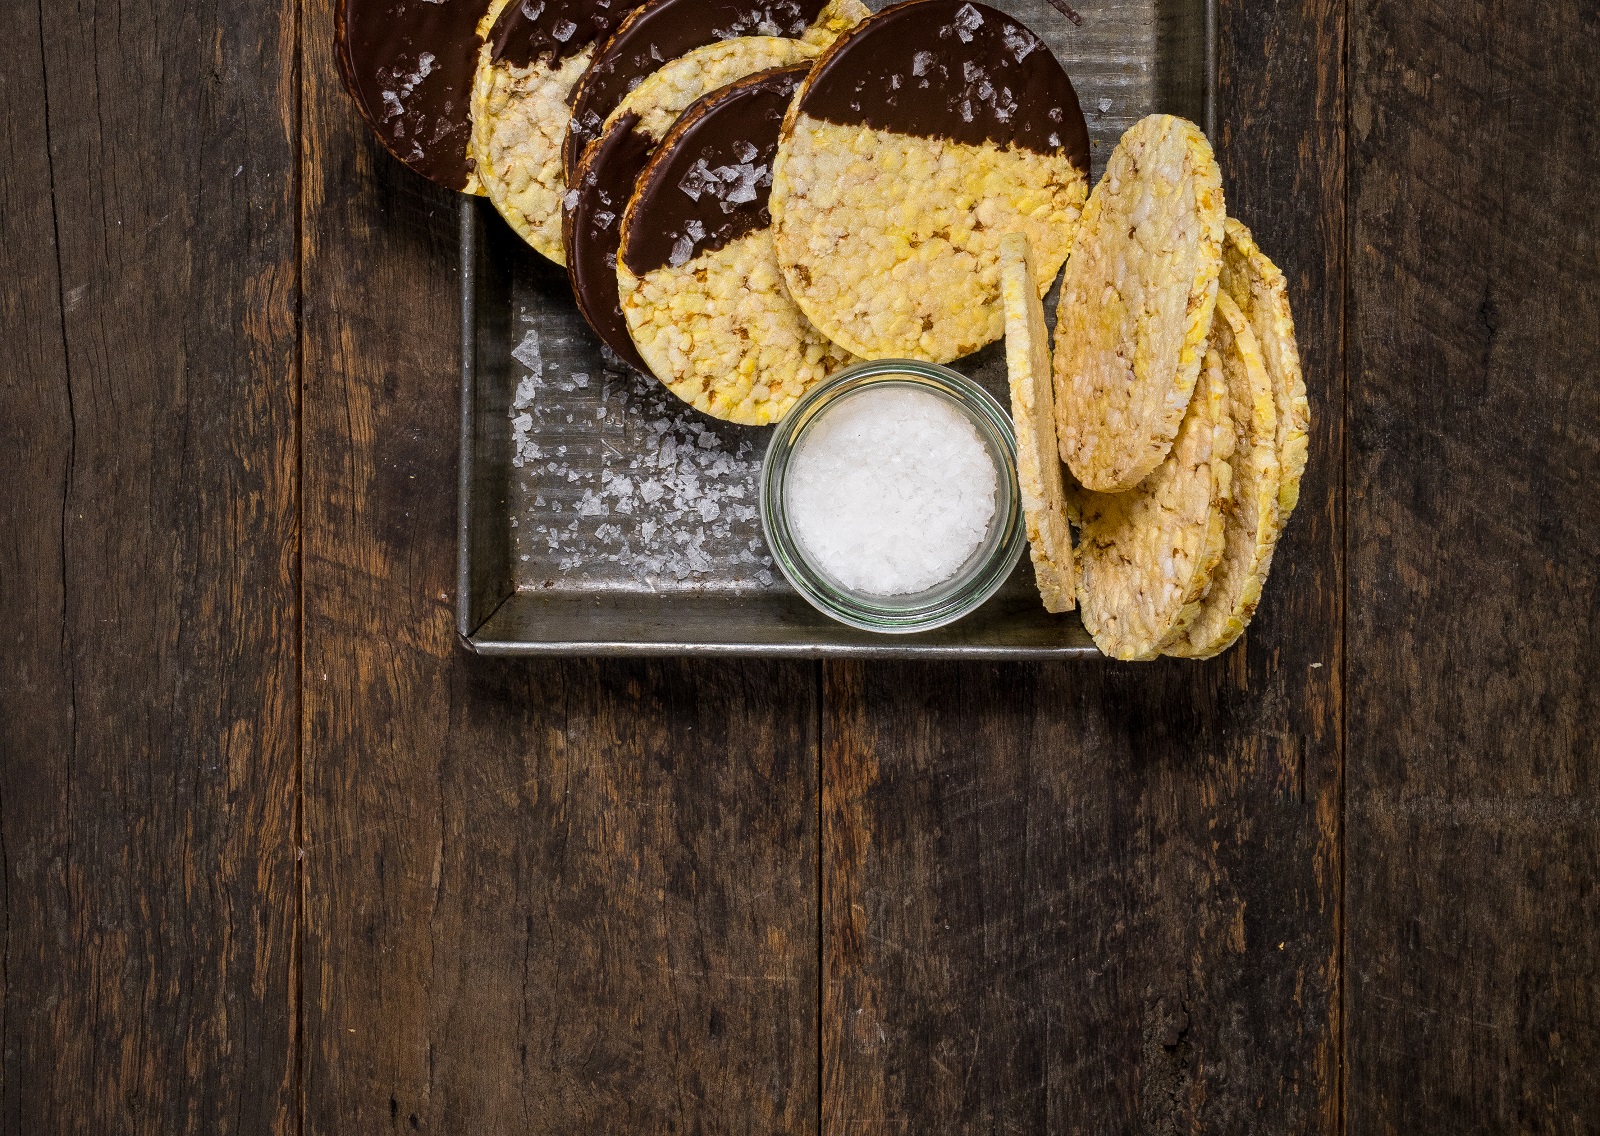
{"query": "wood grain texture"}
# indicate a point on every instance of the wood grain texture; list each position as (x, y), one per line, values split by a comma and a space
(147, 567)
(1104, 898)
(541, 897)
(1474, 784)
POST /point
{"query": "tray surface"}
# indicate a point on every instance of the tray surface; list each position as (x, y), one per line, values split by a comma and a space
(600, 515)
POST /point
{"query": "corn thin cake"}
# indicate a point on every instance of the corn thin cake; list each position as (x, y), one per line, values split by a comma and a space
(697, 275)
(921, 136)
(1136, 303)
(664, 30)
(1033, 417)
(408, 64)
(1262, 294)
(1145, 557)
(532, 55)
(1251, 520)
(609, 172)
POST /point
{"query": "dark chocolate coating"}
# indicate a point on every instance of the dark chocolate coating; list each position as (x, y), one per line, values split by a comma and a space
(950, 69)
(528, 29)
(592, 229)
(660, 32)
(409, 65)
(732, 129)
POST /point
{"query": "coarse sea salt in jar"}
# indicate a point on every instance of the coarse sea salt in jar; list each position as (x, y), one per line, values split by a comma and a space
(889, 496)
(891, 491)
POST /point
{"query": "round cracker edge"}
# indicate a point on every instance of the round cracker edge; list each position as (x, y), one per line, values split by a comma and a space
(1268, 522)
(1294, 405)
(1208, 556)
(592, 155)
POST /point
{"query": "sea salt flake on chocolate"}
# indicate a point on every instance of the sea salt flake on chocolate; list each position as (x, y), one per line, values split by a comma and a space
(745, 189)
(920, 61)
(563, 30)
(699, 180)
(968, 20)
(395, 100)
(1019, 41)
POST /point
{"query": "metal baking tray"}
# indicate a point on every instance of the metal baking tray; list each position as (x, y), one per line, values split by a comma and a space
(600, 516)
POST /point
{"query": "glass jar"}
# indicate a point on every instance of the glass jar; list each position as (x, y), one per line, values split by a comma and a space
(975, 581)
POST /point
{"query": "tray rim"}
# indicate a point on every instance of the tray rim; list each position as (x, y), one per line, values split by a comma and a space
(468, 627)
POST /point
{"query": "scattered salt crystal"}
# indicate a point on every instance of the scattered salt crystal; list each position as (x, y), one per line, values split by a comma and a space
(920, 62)
(682, 250)
(527, 352)
(563, 30)
(1054, 140)
(662, 507)
(891, 491)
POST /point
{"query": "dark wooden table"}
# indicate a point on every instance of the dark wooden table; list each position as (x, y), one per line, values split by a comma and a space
(277, 856)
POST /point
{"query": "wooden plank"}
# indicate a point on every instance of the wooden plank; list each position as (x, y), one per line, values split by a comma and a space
(147, 570)
(541, 896)
(1104, 898)
(1474, 784)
